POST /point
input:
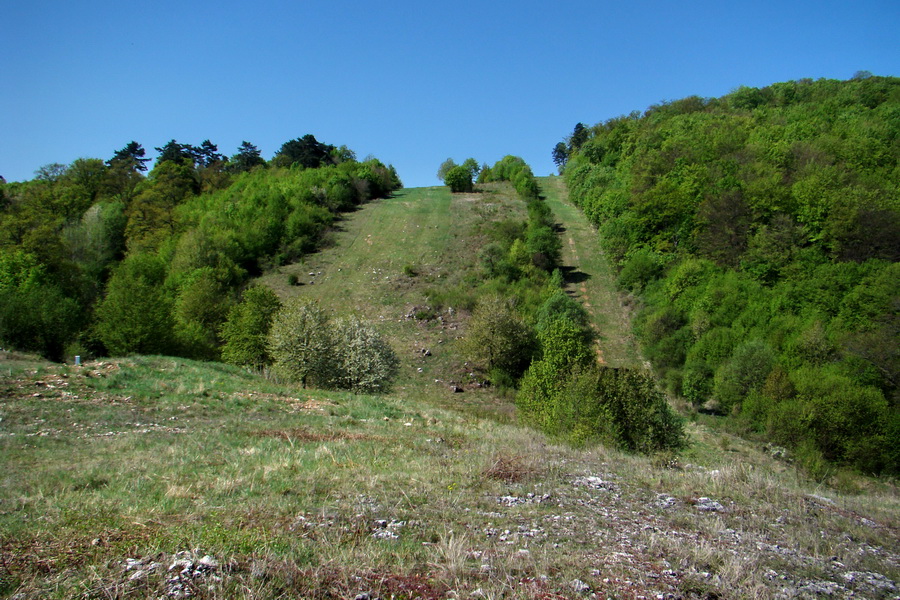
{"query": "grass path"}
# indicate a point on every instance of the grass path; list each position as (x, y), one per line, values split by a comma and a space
(371, 248)
(383, 260)
(591, 279)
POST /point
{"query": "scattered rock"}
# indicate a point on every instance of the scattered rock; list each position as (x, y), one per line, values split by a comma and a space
(530, 498)
(874, 581)
(665, 501)
(385, 534)
(580, 587)
(596, 483)
(705, 504)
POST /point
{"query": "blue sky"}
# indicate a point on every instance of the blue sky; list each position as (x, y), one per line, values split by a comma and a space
(412, 83)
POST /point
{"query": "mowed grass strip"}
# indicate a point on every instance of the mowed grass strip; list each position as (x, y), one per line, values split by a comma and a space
(591, 279)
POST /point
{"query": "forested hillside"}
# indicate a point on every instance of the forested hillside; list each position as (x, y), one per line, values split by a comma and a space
(96, 257)
(761, 232)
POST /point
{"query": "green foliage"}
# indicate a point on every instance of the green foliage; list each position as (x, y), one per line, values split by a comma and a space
(306, 152)
(642, 267)
(472, 166)
(761, 231)
(97, 240)
(247, 157)
(516, 171)
(594, 403)
(445, 168)
(208, 223)
(459, 179)
(565, 344)
(200, 307)
(560, 305)
(498, 338)
(35, 314)
(744, 373)
(151, 215)
(311, 349)
(365, 361)
(246, 329)
(560, 156)
(301, 344)
(136, 316)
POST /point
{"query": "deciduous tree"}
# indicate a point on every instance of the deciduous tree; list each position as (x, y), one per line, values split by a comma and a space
(459, 178)
(245, 330)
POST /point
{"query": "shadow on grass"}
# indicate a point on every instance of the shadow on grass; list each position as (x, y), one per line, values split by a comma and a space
(572, 275)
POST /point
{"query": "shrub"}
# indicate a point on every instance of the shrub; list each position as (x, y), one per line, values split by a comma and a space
(644, 421)
(498, 338)
(301, 345)
(135, 316)
(641, 267)
(35, 314)
(365, 361)
(597, 403)
(200, 308)
(307, 347)
(745, 371)
(561, 306)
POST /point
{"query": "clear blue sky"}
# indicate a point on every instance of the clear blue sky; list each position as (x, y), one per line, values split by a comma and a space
(412, 83)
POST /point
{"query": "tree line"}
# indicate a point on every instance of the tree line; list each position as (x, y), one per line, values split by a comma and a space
(102, 257)
(760, 232)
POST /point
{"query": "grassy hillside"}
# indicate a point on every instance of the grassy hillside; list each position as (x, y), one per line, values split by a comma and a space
(160, 477)
(394, 262)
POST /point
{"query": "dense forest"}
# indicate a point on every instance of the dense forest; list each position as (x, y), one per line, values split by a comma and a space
(101, 257)
(760, 235)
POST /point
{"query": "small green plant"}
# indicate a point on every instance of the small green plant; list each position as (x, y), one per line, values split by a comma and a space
(424, 314)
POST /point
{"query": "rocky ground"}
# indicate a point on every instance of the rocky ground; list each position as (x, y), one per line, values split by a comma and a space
(520, 518)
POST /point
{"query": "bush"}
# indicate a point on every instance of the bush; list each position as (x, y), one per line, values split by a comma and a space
(201, 306)
(301, 345)
(365, 361)
(745, 371)
(308, 348)
(644, 421)
(597, 403)
(35, 314)
(641, 267)
(498, 338)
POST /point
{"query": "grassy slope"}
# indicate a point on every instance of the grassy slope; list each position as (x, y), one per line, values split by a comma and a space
(314, 494)
(591, 279)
